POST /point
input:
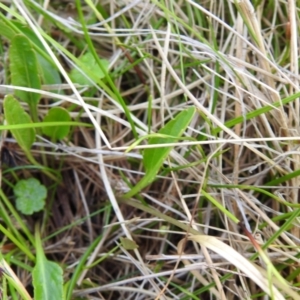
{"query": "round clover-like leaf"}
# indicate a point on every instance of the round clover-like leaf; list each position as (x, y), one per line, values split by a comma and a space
(30, 196)
(57, 114)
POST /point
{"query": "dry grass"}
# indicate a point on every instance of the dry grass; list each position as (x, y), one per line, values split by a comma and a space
(239, 68)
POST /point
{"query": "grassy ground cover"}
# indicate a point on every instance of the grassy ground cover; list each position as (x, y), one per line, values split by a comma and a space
(150, 149)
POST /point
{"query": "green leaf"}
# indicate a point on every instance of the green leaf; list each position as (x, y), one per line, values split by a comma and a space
(128, 244)
(47, 280)
(24, 69)
(89, 65)
(153, 158)
(30, 196)
(14, 115)
(28, 32)
(47, 276)
(49, 73)
(57, 114)
(6, 31)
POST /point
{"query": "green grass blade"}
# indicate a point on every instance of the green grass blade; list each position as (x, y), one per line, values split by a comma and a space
(220, 207)
(16, 241)
(42, 125)
(257, 112)
(113, 88)
(72, 283)
(8, 220)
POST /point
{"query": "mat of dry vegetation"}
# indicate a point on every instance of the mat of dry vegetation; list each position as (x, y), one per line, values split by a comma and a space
(212, 214)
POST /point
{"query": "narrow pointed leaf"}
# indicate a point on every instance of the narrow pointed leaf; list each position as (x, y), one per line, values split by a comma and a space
(154, 157)
(15, 114)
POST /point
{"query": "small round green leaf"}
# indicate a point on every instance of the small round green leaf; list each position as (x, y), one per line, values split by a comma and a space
(30, 196)
(57, 114)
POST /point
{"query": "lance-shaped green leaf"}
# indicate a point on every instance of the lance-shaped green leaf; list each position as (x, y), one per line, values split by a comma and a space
(24, 69)
(47, 276)
(25, 137)
(15, 114)
(57, 114)
(48, 71)
(153, 158)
